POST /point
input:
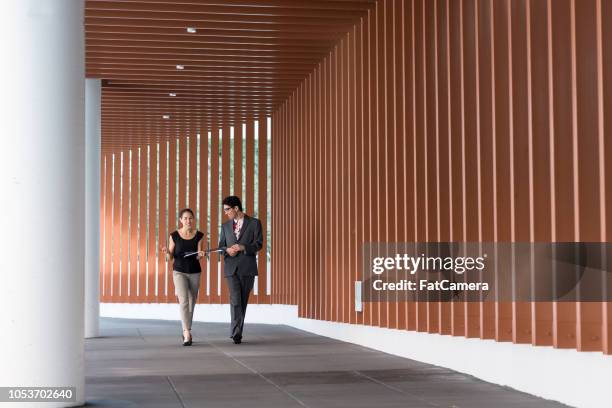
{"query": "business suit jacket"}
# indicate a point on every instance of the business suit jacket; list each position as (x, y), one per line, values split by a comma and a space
(245, 262)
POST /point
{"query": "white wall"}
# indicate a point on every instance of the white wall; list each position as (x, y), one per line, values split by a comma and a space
(580, 379)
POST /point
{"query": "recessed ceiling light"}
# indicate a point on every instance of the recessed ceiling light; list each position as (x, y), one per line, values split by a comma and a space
(166, 116)
(180, 67)
(191, 30)
(171, 94)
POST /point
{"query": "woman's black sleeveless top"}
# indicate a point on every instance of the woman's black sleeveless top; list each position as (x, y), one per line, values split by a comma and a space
(182, 247)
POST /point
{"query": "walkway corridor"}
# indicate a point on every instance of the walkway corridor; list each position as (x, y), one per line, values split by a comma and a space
(140, 363)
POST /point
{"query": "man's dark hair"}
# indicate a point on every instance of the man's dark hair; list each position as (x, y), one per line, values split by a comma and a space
(232, 201)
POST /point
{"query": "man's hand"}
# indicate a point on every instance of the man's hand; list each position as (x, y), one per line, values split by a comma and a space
(234, 249)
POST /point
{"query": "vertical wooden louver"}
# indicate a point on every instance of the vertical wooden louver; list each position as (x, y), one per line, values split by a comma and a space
(472, 120)
(391, 121)
(163, 128)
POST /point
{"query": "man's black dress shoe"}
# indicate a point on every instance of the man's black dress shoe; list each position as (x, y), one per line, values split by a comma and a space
(237, 339)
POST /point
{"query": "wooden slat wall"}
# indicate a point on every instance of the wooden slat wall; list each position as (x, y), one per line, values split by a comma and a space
(473, 120)
(140, 203)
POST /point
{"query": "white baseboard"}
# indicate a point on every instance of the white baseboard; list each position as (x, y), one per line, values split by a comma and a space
(580, 379)
(261, 314)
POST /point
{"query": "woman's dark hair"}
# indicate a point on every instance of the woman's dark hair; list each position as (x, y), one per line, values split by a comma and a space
(184, 210)
(232, 201)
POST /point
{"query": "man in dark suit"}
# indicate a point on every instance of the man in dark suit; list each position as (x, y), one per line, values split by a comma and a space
(242, 237)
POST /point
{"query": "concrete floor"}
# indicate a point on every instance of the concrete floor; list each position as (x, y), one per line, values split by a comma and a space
(141, 363)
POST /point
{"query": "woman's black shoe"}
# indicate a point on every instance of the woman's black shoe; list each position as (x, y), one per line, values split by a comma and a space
(187, 342)
(237, 339)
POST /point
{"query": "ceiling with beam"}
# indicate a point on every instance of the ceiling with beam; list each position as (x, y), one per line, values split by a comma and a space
(240, 59)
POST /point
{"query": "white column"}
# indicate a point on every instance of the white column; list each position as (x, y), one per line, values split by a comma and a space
(42, 195)
(92, 207)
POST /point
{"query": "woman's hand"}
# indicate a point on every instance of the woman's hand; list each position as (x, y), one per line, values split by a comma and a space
(166, 252)
(201, 254)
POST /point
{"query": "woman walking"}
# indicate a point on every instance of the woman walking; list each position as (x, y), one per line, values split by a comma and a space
(185, 248)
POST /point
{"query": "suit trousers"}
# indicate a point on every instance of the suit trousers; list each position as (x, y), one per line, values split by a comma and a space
(239, 289)
(186, 286)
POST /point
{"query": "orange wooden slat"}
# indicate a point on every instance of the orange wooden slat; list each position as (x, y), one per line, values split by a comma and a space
(471, 145)
(182, 172)
(248, 202)
(319, 210)
(163, 276)
(487, 172)
(142, 222)
(281, 264)
(370, 309)
(519, 152)
(299, 225)
(328, 220)
(101, 225)
(125, 237)
(107, 222)
(382, 308)
(396, 147)
(336, 231)
(152, 250)
(262, 296)
(133, 228)
(443, 141)
(410, 134)
(204, 208)
(502, 156)
(341, 231)
(421, 138)
(172, 218)
(116, 259)
(432, 149)
(278, 193)
(225, 191)
(367, 146)
(192, 191)
(238, 138)
(215, 221)
(605, 109)
(564, 313)
(311, 196)
(293, 280)
(355, 86)
(589, 314)
(291, 226)
(345, 180)
(541, 321)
